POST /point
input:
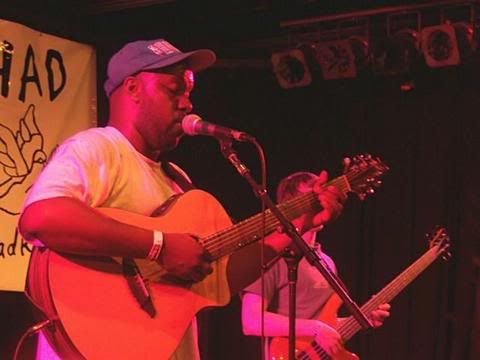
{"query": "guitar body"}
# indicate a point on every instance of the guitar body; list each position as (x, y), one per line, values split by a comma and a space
(303, 345)
(96, 308)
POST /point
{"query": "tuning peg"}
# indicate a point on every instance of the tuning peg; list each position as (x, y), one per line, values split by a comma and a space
(360, 159)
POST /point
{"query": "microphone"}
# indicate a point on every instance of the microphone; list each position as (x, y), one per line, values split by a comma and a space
(194, 125)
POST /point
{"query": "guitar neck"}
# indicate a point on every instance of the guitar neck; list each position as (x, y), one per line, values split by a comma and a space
(252, 229)
(350, 326)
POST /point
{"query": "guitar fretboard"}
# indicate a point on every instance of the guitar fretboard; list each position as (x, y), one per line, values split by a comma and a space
(252, 229)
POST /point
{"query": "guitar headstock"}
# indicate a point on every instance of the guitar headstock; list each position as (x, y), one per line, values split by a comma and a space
(363, 174)
(440, 238)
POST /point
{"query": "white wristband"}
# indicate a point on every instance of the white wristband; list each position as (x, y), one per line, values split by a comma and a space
(157, 246)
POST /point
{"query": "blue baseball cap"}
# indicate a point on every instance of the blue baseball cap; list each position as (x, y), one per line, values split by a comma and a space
(142, 55)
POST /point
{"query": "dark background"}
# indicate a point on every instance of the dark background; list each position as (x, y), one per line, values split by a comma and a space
(430, 138)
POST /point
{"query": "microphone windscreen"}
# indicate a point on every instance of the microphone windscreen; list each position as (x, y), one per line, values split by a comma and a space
(188, 124)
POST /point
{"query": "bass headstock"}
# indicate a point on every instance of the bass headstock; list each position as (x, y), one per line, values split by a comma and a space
(364, 174)
(439, 237)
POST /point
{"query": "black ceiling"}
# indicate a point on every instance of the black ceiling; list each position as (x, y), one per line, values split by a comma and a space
(234, 28)
(215, 20)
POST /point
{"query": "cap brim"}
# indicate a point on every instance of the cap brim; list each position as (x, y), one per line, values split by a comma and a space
(196, 60)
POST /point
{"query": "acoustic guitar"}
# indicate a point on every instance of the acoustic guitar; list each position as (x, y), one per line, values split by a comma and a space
(94, 312)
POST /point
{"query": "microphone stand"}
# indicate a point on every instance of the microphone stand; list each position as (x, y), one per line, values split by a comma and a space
(291, 257)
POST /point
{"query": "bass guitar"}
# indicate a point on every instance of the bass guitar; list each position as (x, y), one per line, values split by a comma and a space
(308, 348)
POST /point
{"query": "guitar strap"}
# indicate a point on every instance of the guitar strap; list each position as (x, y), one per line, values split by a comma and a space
(179, 178)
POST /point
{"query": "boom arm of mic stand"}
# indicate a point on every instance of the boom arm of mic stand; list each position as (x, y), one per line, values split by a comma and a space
(311, 256)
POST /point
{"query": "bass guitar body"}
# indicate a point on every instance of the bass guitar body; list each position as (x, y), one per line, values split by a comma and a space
(305, 347)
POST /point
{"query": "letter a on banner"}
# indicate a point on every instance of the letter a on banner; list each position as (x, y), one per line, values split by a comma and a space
(47, 93)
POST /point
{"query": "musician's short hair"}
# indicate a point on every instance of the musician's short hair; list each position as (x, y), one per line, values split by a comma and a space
(289, 186)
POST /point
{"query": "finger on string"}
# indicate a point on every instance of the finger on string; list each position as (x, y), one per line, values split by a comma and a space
(322, 177)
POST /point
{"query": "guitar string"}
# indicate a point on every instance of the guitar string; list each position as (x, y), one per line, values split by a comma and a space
(303, 356)
(220, 240)
(216, 241)
(318, 350)
(247, 227)
(246, 232)
(251, 227)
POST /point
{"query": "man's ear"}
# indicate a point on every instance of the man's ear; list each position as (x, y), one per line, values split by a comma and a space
(132, 87)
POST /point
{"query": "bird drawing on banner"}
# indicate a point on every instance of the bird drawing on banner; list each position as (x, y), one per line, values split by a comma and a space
(20, 151)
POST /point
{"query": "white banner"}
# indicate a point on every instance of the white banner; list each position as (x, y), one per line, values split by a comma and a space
(47, 93)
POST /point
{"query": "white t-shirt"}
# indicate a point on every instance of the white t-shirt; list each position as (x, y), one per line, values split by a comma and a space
(102, 169)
